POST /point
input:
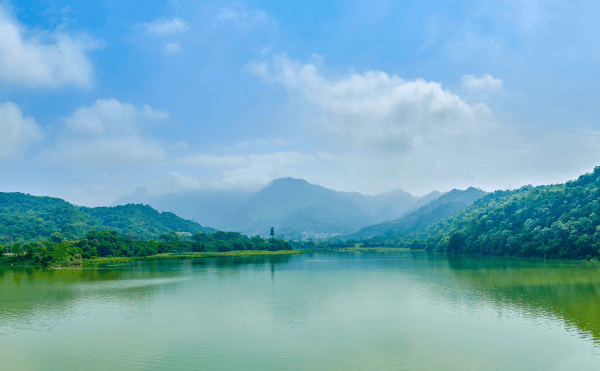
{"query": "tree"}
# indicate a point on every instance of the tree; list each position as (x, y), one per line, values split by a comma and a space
(199, 237)
(56, 237)
(16, 248)
(169, 237)
(272, 233)
(223, 246)
(457, 242)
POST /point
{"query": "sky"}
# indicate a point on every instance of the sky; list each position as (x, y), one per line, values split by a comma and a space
(99, 100)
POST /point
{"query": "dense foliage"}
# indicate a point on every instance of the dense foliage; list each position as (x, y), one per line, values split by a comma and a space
(555, 221)
(26, 218)
(110, 244)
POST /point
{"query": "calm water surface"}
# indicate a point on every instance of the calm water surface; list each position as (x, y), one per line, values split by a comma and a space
(322, 311)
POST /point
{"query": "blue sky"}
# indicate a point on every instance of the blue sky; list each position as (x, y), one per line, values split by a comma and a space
(100, 99)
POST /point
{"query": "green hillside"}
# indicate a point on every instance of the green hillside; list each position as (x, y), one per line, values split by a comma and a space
(555, 221)
(25, 217)
(439, 209)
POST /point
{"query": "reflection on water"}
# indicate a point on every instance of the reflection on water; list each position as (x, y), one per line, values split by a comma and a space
(567, 289)
(317, 311)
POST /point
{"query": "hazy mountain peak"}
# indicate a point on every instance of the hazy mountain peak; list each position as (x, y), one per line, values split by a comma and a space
(293, 206)
(287, 181)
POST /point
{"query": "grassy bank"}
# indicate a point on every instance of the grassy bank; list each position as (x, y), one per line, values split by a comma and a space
(188, 255)
(371, 249)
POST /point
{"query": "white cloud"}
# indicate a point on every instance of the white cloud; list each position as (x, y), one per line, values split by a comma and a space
(104, 117)
(212, 160)
(262, 142)
(378, 111)
(172, 47)
(109, 133)
(431, 33)
(16, 131)
(259, 169)
(107, 152)
(167, 26)
(242, 18)
(153, 114)
(249, 170)
(111, 117)
(171, 183)
(264, 50)
(48, 59)
(95, 194)
(480, 83)
(386, 132)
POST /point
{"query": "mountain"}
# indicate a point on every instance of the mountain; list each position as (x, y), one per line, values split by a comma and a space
(26, 217)
(390, 205)
(554, 221)
(439, 209)
(294, 207)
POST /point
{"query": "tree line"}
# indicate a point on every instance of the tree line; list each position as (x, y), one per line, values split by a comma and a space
(56, 250)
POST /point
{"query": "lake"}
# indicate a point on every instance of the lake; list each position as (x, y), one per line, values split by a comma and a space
(400, 310)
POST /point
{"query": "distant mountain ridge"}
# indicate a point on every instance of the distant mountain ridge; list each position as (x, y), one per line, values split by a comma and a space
(294, 207)
(26, 217)
(437, 210)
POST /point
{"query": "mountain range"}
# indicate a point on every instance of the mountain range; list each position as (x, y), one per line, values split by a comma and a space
(294, 207)
(437, 210)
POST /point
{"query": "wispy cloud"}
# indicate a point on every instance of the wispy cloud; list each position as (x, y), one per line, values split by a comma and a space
(480, 83)
(172, 47)
(172, 182)
(109, 152)
(111, 117)
(242, 17)
(249, 170)
(109, 133)
(16, 131)
(169, 26)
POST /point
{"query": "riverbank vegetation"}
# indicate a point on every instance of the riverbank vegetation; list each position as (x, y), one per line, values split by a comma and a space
(555, 221)
(108, 244)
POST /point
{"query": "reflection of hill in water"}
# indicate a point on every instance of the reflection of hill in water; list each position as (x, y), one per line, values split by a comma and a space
(40, 298)
(29, 293)
(569, 290)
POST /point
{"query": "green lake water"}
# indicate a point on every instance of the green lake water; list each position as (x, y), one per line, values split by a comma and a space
(323, 311)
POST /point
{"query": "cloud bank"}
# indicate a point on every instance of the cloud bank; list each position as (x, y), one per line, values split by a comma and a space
(378, 111)
(415, 135)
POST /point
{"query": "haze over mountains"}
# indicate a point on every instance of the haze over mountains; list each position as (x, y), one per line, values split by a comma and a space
(294, 207)
(437, 210)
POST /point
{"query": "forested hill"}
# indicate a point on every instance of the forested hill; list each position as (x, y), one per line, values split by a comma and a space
(439, 209)
(25, 217)
(555, 221)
